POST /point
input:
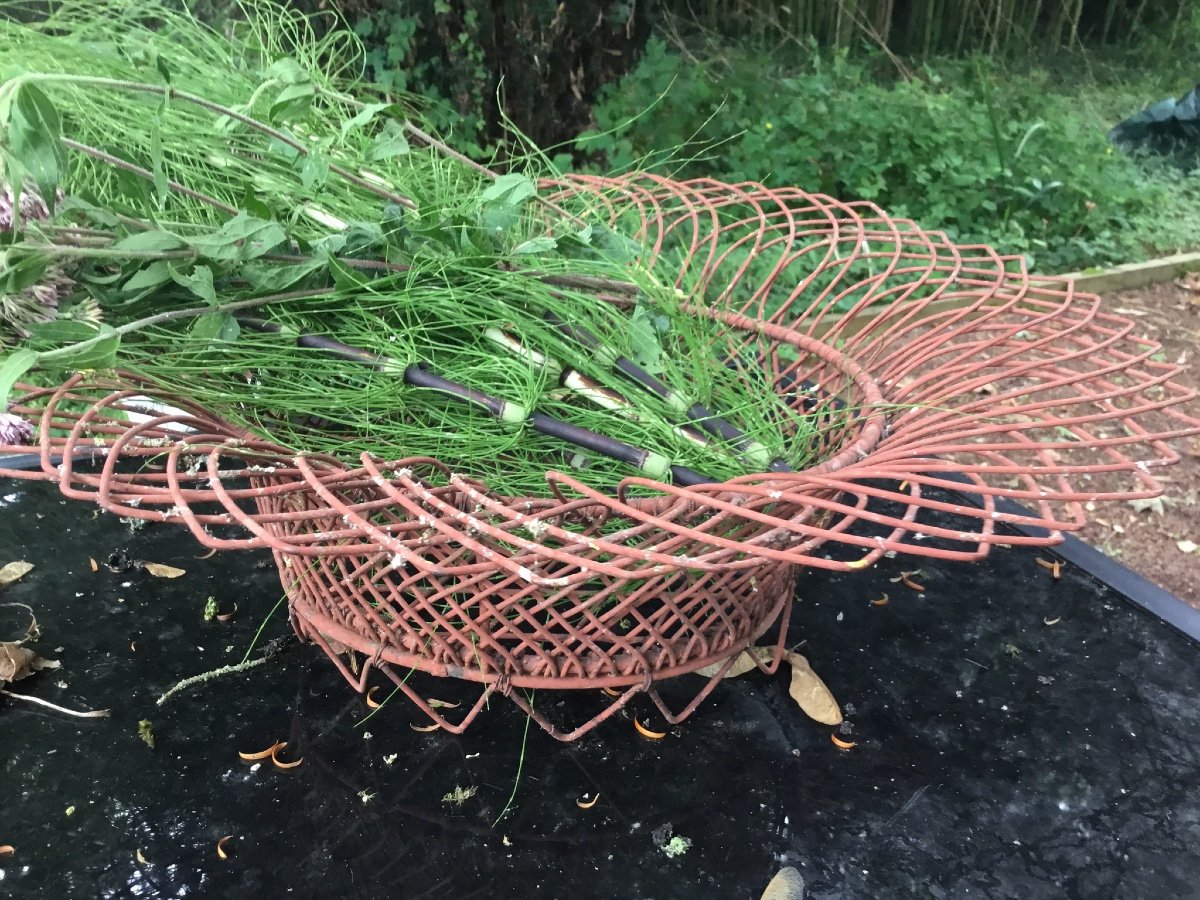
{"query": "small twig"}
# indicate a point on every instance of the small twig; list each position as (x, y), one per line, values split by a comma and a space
(94, 714)
(208, 676)
(155, 319)
(270, 651)
(111, 160)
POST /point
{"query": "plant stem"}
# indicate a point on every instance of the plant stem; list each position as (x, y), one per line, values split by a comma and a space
(520, 764)
(51, 355)
(119, 163)
(117, 84)
(92, 714)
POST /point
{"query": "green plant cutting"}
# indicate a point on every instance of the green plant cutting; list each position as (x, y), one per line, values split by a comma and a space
(237, 219)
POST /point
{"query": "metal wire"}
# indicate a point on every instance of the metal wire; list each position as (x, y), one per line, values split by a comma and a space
(950, 360)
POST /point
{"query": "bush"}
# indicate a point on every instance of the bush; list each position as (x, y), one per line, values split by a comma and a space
(982, 156)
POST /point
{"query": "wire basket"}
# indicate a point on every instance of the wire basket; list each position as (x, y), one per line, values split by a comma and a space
(924, 363)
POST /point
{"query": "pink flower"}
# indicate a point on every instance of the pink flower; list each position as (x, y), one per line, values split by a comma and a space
(14, 430)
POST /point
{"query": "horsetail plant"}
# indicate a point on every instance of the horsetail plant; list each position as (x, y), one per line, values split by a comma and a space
(242, 222)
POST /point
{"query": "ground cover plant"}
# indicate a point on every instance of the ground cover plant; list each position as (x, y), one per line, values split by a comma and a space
(1019, 161)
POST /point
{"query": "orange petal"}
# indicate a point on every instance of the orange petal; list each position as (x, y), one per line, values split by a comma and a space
(611, 692)
(424, 729)
(7, 850)
(283, 765)
(221, 854)
(912, 585)
(646, 732)
(882, 601)
(95, 565)
(263, 754)
(208, 554)
(840, 744)
(371, 701)
(227, 617)
(588, 804)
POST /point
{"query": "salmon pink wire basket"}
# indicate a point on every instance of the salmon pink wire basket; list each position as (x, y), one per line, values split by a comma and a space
(924, 362)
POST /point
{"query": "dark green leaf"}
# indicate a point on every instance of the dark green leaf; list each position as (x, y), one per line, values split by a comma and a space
(253, 205)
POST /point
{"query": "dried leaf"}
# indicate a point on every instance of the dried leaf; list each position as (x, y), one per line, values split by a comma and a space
(460, 795)
(14, 571)
(146, 732)
(434, 703)
(221, 853)
(810, 692)
(159, 570)
(17, 662)
(745, 662)
(788, 884)
(95, 566)
(1153, 504)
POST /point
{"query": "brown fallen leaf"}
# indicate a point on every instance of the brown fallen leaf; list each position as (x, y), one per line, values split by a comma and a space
(810, 692)
(745, 662)
(807, 688)
(14, 571)
(17, 662)
(159, 570)
(788, 884)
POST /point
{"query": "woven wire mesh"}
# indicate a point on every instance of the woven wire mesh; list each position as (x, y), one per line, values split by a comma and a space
(926, 362)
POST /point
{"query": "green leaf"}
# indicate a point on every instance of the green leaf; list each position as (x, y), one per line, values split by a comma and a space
(363, 117)
(34, 130)
(535, 245)
(254, 205)
(292, 102)
(314, 172)
(513, 190)
(156, 163)
(216, 327)
(66, 332)
(148, 277)
(150, 241)
(390, 143)
(288, 71)
(242, 237)
(645, 347)
(199, 281)
(12, 367)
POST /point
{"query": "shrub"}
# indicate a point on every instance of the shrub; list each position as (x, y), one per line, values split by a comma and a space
(971, 155)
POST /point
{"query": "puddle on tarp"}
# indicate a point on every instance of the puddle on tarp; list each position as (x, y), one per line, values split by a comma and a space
(996, 757)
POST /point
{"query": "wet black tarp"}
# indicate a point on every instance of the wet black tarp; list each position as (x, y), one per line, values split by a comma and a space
(997, 756)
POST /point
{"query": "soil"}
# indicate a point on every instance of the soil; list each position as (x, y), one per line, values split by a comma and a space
(1147, 537)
